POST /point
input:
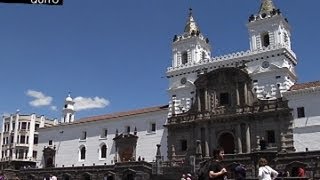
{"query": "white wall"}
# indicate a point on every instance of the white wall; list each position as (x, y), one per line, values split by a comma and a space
(67, 142)
(306, 131)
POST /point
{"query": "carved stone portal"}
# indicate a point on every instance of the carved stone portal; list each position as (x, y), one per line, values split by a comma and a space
(126, 147)
(49, 156)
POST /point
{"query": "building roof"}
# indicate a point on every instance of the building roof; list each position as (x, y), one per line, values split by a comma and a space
(122, 114)
(305, 85)
(114, 116)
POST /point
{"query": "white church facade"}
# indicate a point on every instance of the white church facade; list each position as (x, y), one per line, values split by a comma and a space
(270, 63)
(265, 106)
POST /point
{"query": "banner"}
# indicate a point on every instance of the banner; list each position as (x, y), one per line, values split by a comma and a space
(40, 2)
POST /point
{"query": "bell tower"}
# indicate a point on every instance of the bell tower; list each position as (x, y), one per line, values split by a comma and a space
(268, 28)
(68, 110)
(191, 46)
(272, 64)
(189, 50)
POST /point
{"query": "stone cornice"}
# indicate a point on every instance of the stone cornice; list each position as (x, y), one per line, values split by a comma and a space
(283, 69)
(231, 60)
(272, 20)
(299, 92)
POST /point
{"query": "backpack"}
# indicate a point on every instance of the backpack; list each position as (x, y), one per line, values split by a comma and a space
(203, 171)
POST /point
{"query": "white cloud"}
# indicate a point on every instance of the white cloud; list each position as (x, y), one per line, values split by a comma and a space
(53, 108)
(40, 99)
(83, 103)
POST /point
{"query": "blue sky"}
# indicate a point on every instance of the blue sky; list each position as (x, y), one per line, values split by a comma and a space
(112, 55)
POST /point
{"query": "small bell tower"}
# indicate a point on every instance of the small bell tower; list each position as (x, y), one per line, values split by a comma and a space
(191, 46)
(268, 28)
(68, 110)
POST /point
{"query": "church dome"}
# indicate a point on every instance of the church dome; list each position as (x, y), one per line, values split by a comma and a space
(69, 98)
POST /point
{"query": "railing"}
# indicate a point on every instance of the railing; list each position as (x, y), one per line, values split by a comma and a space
(17, 159)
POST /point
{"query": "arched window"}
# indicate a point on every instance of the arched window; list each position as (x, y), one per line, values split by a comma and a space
(109, 177)
(184, 57)
(103, 151)
(86, 176)
(82, 153)
(203, 55)
(66, 177)
(265, 39)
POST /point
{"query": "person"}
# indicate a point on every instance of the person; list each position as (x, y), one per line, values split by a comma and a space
(265, 171)
(53, 177)
(240, 172)
(189, 177)
(183, 177)
(47, 177)
(2, 177)
(216, 170)
(301, 172)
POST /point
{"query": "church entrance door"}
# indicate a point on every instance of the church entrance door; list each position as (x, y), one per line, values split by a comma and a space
(49, 162)
(226, 141)
(126, 154)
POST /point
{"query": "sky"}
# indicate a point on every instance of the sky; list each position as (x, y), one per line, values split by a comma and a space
(112, 55)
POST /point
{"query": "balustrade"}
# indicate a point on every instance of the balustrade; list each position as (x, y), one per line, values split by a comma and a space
(263, 106)
(232, 58)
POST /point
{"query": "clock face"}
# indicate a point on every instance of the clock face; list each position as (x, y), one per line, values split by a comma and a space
(265, 64)
(183, 80)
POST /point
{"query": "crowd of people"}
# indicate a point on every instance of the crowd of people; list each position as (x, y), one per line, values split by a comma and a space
(3, 177)
(186, 177)
(51, 177)
(214, 169)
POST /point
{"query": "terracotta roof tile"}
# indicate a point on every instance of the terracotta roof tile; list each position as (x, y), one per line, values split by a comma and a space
(305, 85)
(121, 114)
(112, 116)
